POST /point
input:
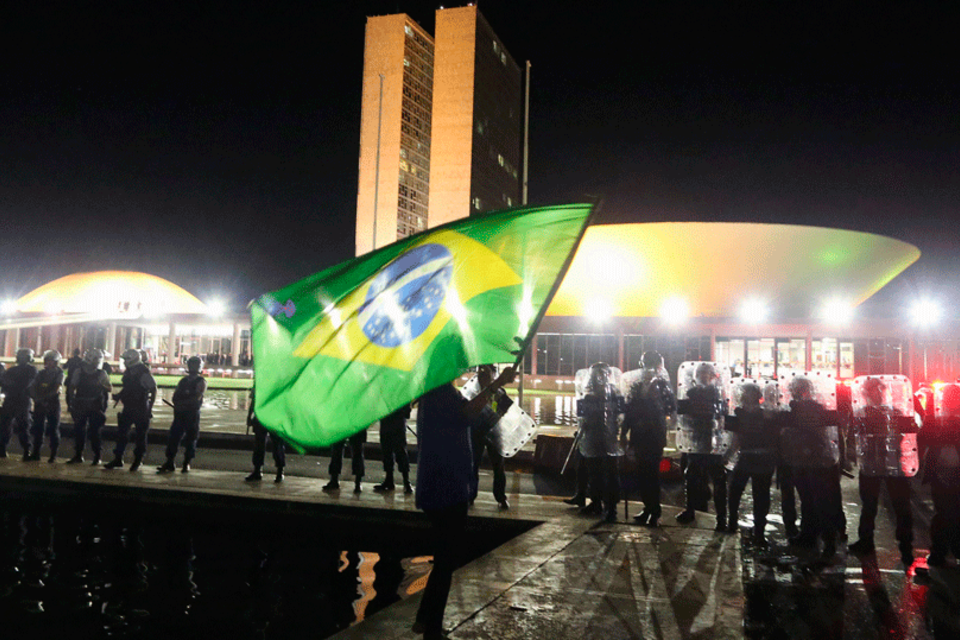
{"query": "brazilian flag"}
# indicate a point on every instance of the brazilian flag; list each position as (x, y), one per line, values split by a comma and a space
(337, 351)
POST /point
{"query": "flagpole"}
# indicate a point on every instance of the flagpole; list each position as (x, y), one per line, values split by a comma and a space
(523, 197)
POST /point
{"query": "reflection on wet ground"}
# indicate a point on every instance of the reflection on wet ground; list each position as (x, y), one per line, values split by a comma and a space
(70, 575)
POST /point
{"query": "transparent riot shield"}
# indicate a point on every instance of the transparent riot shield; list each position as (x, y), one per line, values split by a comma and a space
(514, 429)
(885, 428)
(694, 434)
(810, 445)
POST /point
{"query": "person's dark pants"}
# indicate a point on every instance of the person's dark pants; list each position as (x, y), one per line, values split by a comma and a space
(260, 447)
(88, 424)
(141, 424)
(701, 470)
(839, 518)
(648, 477)
(604, 474)
(19, 416)
(761, 496)
(899, 490)
(46, 422)
(447, 528)
(788, 498)
(945, 524)
(393, 446)
(817, 516)
(186, 427)
(356, 451)
(482, 442)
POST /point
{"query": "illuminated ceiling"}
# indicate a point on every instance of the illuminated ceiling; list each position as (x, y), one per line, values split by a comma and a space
(111, 294)
(632, 270)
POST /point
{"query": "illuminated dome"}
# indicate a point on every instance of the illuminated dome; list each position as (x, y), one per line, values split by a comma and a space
(111, 294)
(634, 270)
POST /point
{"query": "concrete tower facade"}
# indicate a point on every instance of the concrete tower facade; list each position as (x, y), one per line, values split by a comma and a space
(440, 129)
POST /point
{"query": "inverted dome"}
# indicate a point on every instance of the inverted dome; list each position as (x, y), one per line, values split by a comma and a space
(111, 294)
(631, 270)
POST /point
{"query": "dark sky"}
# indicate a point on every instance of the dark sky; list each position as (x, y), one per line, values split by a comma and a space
(216, 144)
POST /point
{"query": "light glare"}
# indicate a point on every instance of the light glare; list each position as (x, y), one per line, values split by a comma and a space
(754, 311)
(925, 313)
(837, 311)
(8, 308)
(675, 310)
(216, 308)
(598, 310)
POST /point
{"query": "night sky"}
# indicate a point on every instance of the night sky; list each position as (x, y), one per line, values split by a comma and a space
(216, 144)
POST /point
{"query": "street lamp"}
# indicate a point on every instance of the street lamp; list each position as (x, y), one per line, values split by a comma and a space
(675, 311)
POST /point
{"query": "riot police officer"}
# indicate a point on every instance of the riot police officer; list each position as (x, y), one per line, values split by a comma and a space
(483, 438)
(877, 424)
(393, 446)
(759, 434)
(812, 440)
(703, 409)
(260, 445)
(88, 392)
(648, 403)
(46, 404)
(941, 470)
(138, 394)
(15, 383)
(187, 400)
(600, 411)
(356, 441)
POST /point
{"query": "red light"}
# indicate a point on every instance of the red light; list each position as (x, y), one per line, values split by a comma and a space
(665, 465)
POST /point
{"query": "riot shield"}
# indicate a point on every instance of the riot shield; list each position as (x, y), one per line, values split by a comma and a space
(810, 443)
(514, 429)
(698, 434)
(885, 428)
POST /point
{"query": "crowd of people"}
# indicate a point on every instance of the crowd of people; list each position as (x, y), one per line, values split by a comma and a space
(791, 434)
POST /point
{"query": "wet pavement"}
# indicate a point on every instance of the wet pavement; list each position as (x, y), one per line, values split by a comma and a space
(570, 576)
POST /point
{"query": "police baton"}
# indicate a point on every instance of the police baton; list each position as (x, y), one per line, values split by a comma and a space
(168, 403)
(576, 441)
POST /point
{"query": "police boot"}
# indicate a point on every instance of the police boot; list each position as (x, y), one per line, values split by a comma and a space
(862, 546)
(356, 484)
(35, 453)
(578, 500)
(137, 461)
(686, 516)
(96, 458)
(407, 487)
(906, 554)
(76, 459)
(186, 467)
(333, 485)
(255, 476)
(279, 477)
(53, 455)
(167, 466)
(386, 485)
(116, 463)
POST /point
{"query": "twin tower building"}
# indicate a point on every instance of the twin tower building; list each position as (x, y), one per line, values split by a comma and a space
(442, 125)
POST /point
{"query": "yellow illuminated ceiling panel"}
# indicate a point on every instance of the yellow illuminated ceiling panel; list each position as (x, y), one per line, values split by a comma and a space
(630, 270)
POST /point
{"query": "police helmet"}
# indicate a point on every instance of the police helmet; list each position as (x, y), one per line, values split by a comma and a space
(144, 356)
(599, 375)
(51, 355)
(24, 356)
(194, 364)
(651, 360)
(705, 373)
(93, 358)
(131, 357)
(801, 387)
(872, 391)
(750, 394)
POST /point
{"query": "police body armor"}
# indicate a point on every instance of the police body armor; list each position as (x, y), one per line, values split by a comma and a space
(754, 447)
(134, 395)
(812, 437)
(89, 394)
(886, 433)
(185, 396)
(700, 426)
(649, 404)
(508, 432)
(597, 412)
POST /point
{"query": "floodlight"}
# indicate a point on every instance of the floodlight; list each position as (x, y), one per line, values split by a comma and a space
(598, 310)
(8, 307)
(754, 311)
(925, 313)
(837, 311)
(216, 308)
(675, 310)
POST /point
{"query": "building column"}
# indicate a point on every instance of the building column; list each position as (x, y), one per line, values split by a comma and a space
(235, 345)
(533, 355)
(111, 339)
(620, 348)
(713, 344)
(38, 348)
(172, 344)
(808, 356)
(15, 343)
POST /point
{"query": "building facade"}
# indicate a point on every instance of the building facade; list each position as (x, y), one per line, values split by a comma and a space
(440, 128)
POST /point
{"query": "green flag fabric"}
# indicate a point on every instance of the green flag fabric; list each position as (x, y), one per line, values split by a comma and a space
(337, 351)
